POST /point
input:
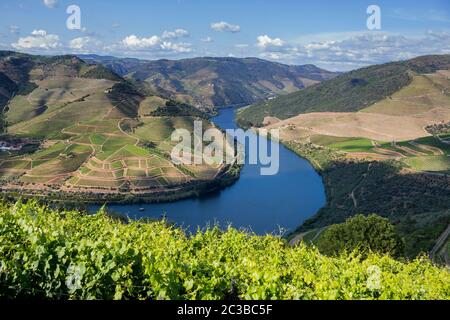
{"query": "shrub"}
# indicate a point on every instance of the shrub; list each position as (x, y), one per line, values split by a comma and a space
(68, 255)
(371, 233)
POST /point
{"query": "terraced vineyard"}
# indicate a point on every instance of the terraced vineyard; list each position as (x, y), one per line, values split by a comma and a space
(96, 136)
(424, 154)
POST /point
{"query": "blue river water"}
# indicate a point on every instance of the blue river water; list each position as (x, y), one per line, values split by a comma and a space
(262, 204)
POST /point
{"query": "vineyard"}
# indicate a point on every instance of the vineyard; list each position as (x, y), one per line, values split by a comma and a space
(52, 254)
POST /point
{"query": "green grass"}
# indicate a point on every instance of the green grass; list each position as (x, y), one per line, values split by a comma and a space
(85, 170)
(117, 165)
(117, 142)
(97, 139)
(324, 140)
(155, 129)
(430, 163)
(137, 151)
(353, 145)
(105, 155)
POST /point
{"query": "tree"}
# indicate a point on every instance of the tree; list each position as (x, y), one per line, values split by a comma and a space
(372, 233)
(3, 123)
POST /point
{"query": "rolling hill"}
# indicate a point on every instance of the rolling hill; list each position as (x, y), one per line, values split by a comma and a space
(379, 138)
(207, 82)
(95, 135)
(349, 92)
(381, 112)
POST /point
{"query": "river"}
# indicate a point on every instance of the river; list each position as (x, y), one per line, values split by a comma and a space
(262, 204)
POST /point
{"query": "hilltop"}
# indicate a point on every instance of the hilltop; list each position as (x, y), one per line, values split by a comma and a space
(349, 92)
(81, 131)
(209, 81)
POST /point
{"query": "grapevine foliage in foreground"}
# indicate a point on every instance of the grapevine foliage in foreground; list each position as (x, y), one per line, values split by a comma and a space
(45, 253)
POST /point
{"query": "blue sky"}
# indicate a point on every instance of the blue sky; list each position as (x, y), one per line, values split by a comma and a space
(331, 34)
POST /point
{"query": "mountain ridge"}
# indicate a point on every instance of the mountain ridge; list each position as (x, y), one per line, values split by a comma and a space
(207, 82)
(348, 92)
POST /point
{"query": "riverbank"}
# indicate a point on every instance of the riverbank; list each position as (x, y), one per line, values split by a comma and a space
(416, 203)
(259, 204)
(228, 176)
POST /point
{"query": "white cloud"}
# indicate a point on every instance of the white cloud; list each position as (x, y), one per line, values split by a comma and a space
(133, 42)
(225, 27)
(79, 43)
(39, 33)
(355, 50)
(85, 44)
(51, 3)
(39, 39)
(265, 42)
(178, 33)
(176, 47)
(154, 43)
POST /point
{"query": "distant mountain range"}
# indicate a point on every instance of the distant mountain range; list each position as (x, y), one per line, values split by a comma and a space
(207, 82)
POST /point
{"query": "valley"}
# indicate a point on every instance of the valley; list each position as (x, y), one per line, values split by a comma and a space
(221, 159)
(389, 155)
(378, 136)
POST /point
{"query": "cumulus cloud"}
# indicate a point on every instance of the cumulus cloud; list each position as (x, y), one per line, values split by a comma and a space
(38, 39)
(354, 51)
(39, 33)
(178, 33)
(371, 48)
(51, 3)
(225, 27)
(84, 44)
(154, 43)
(265, 42)
(134, 42)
